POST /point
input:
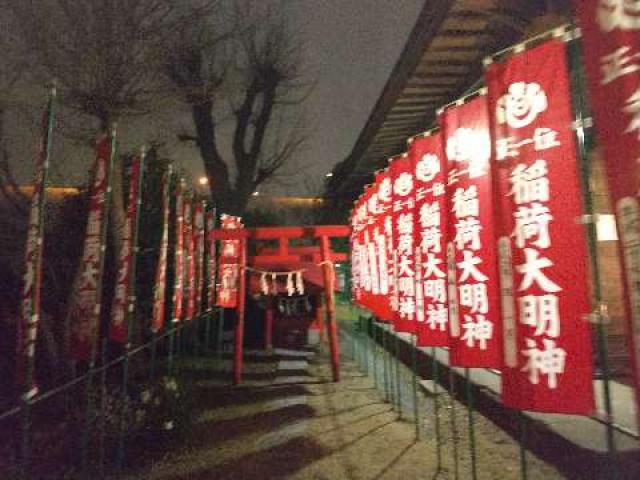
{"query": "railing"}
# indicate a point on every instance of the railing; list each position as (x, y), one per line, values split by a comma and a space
(84, 427)
(455, 403)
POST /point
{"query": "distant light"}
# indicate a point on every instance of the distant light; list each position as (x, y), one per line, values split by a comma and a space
(203, 180)
(338, 265)
(256, 193)
(329, 175)
(606, 228)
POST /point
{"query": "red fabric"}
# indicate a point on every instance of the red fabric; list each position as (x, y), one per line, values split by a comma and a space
(611, 39)
(160, 286)
(83, 312)
(548, 364)
(121, 299)
(383, 306)
(227, 295)
(403, 208)
(430, 236)
(472, 271)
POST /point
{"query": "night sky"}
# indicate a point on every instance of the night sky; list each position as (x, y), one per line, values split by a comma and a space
(350, 48)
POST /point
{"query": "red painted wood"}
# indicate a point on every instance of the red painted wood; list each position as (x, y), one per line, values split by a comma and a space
(274, 233)
(332, 327)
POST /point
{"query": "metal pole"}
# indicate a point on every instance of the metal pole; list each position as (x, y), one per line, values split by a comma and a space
(220, 334)
(103, 406)
(471, 433)
(94, 328)
(154, 348)
(374, 345)
(414, 370)
(34, 265)
(172, 341)
(454, 427)
(398, 377)
(522, 423)
(239, 335)
(436, 409)
(592, 239)
(131, 313)
(385, 357)
(207, 331)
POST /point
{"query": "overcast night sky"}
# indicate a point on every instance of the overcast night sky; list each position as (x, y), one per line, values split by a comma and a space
(351, 46)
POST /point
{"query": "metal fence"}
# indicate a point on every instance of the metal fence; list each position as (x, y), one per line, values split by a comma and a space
(85, 426)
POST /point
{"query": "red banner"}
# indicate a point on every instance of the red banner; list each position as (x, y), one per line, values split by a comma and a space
(548, 364)
(189, 250)
(32, 278)
(359, 257)
(384, 246)
(430, 237)
(84, 311)
(121, 300)
(198, 241)
(472, 273)
(403, 208)
(611, 38)
(178, 258)
(229, 265)
(211, 260)
(160, 285)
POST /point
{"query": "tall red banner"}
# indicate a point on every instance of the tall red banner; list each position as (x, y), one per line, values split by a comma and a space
(178, 255)
(227, 296)
(403, 208)
(543, 257)
(122, 296)
(84, 312)
(211, 259)
(430, 237)
(472, 273)
(189, 250)
(32, 279)
(198, 241)
(160, 285)
(383, 232)
(611, 38)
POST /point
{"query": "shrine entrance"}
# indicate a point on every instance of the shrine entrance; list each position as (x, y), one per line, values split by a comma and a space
(289, 282)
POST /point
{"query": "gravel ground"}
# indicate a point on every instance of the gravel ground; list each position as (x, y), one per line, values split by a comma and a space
(289, 421)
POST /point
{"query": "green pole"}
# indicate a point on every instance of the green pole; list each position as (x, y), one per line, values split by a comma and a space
(398, 377)
(154, 354)
(385, 357)
(374, 346)
(84, 448)
(131, 313)
(436, 410)
(220, 334)
(34, 265)
(580, 110)
(522, 424)
(471, 432)
(414, 371)
(454, 426)
(103, 407)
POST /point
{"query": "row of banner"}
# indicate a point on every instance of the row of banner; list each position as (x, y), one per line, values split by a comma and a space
(472, 239)
(186, 224)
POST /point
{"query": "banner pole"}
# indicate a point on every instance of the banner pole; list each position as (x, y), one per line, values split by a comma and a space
(452, 420)
(414, 371)
(374, 346)
(436, 410)
(522, 424)
(96, 324)
(34, 267)
(131, 310)
(398, 374)
(592, 243)
(385, 356)
(220, 334)
(103, 406)
(471, 432)
(154, 347)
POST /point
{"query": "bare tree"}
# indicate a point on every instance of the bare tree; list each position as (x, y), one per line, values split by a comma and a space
(249, 73)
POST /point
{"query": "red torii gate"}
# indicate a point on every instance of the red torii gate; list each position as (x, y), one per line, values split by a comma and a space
(286, 255)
